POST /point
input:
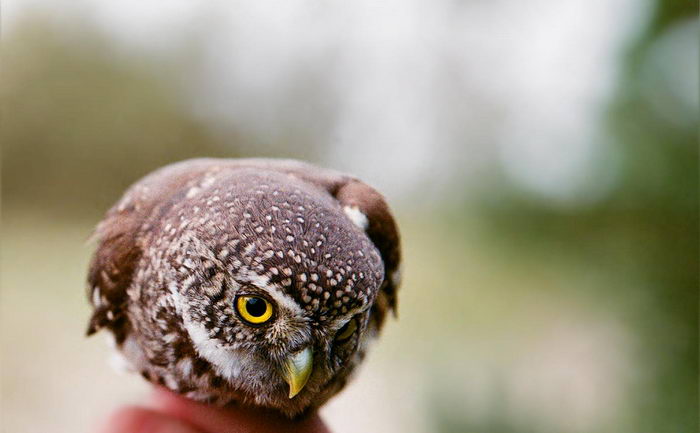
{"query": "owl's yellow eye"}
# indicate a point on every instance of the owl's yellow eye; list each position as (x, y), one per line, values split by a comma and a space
(346, 331)
(254, 309)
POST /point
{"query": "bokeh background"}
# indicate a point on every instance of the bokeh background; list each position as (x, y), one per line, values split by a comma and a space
(541, 158)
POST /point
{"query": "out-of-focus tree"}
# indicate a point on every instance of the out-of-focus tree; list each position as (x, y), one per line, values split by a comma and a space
(82, 121)
(643, 233)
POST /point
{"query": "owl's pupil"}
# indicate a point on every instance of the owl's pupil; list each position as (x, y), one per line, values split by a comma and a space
(256, 307)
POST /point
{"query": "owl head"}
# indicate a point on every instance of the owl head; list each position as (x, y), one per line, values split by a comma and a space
(255, 281)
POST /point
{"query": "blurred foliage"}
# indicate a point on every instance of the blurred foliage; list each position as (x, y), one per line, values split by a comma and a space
(81, 122)
(644, 232)
(83, 119)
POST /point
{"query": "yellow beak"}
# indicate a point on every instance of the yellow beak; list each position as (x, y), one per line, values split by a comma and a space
(297, 369)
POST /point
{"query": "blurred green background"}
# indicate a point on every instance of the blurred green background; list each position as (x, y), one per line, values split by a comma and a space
(542, 161)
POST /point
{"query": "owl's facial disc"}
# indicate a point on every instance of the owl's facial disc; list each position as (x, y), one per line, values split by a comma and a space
(266, 337)
(257, 311)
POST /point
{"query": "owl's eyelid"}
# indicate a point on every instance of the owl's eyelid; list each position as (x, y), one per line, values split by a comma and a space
(352, 325)
(253, 291)
(274, 294)
(340, 324)
(352, 314)
(343, 323)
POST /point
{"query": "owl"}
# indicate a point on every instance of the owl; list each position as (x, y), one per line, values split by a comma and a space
(251, 281)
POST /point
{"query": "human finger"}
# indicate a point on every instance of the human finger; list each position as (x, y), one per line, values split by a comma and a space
(234, 419)
(141, 420)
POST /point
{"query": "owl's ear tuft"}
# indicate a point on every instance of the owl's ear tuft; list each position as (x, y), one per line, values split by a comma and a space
(116, 322)
(98, 320)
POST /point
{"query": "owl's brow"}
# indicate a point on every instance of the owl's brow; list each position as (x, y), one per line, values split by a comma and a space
(263, 283)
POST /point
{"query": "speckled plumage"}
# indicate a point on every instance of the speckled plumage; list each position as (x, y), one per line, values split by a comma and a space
(184, 241)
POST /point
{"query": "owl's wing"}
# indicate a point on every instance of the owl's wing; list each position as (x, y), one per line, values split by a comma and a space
(382, 230)
(120, 238)
(112, 267)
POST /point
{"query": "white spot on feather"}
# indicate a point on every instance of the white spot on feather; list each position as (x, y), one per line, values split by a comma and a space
(185, 366)
(127, 359)
(396, 277)
(96, 296)
(356, 216)
(193, 192)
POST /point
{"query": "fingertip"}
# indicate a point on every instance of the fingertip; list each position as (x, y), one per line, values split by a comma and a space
(234, 419)
(124, 419)
(140, 420)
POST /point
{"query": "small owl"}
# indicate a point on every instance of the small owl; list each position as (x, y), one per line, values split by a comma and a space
(255, 281)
